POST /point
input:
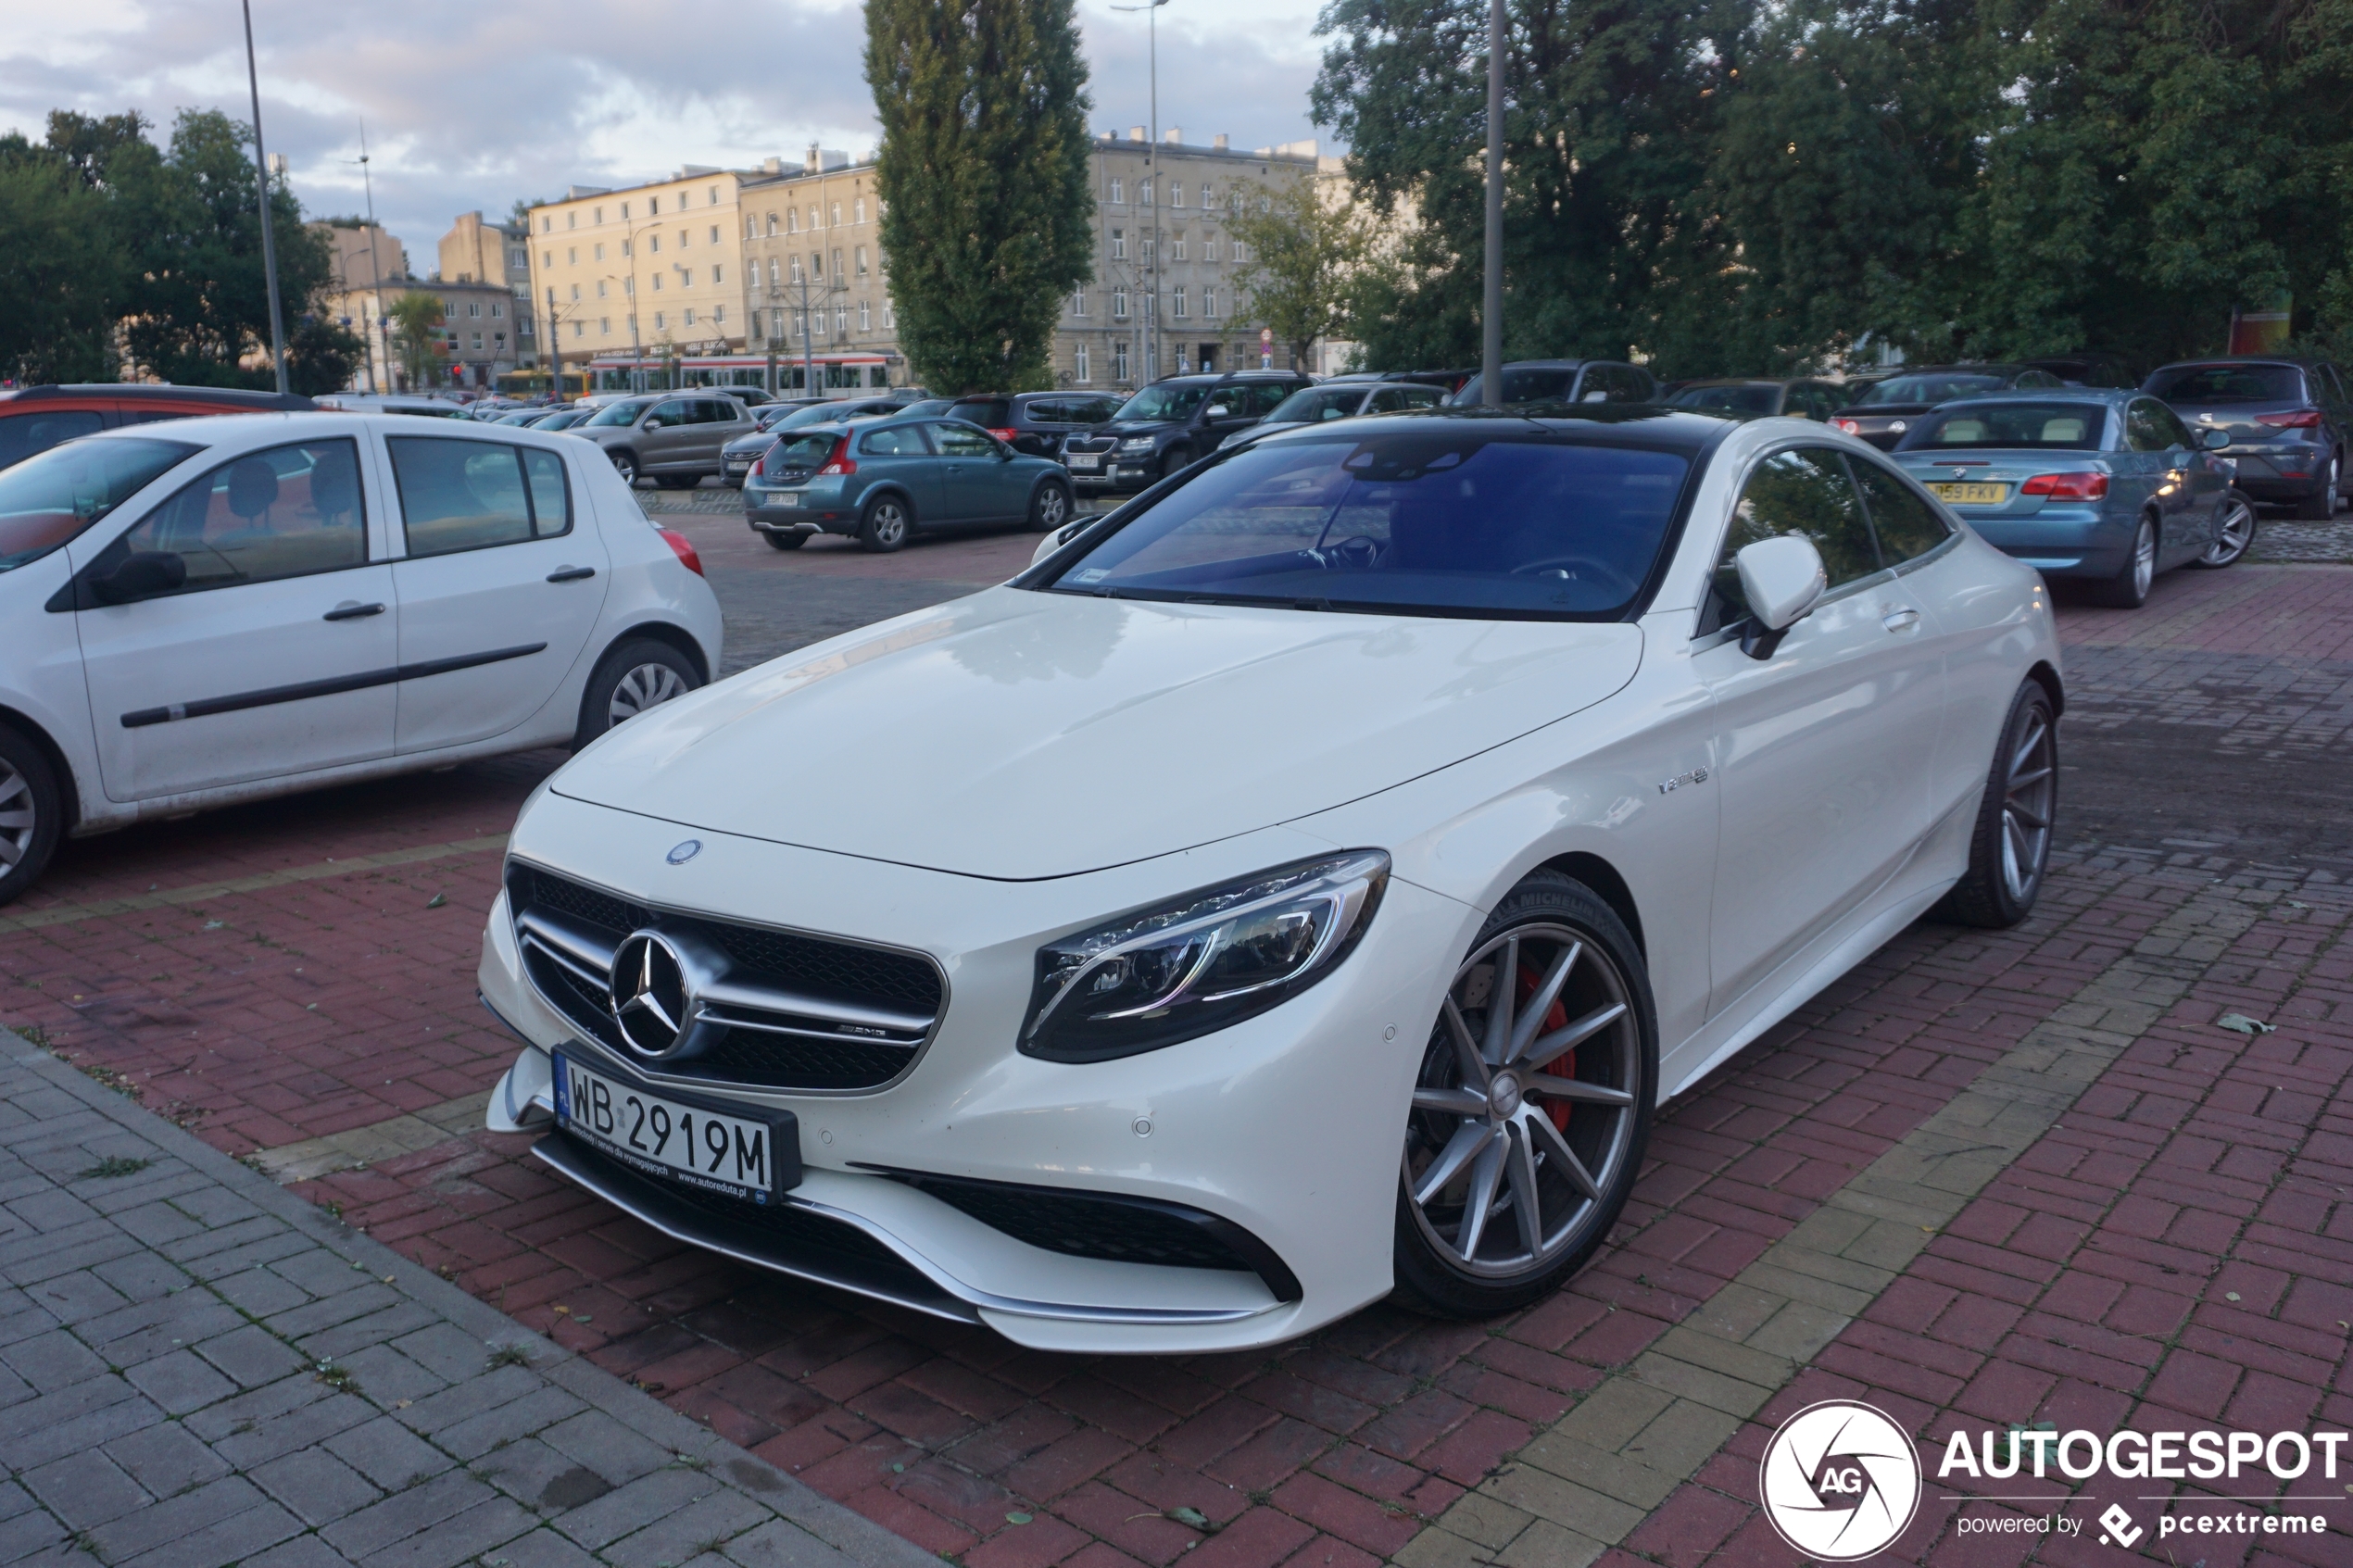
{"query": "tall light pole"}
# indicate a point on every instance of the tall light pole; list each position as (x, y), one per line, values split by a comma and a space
(1151, 171)
(1491, 357)
(376, 266)
(261, 179)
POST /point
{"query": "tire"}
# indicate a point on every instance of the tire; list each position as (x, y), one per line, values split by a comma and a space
(2236, 535)
(1050, 506)
(1175, 463)
(785, 541)
(2321, 506)
(32, 812)
(633, 676)
(2010, 849)
(626, 465)
(1578, 1156)
(885, 522)
(2129, 589)
(678, 480)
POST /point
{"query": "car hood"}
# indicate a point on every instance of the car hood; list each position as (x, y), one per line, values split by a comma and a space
(750, 445)
(1020, 736)
(1135, 427)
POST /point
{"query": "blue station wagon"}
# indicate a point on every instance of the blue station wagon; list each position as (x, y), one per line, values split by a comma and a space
(879, 481)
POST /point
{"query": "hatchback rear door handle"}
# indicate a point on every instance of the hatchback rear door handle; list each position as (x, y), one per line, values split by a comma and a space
(352, 609)
(1899, 620)
(570, 573)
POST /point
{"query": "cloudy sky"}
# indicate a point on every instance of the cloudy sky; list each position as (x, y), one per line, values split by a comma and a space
(474, 103)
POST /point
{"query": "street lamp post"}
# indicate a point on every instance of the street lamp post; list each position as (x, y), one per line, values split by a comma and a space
(1152, 178)
(261, 177)
(376, 266)
(1490, 358)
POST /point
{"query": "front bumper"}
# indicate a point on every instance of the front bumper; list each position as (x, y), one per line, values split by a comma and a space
(1117, 471)
(1286, 1126)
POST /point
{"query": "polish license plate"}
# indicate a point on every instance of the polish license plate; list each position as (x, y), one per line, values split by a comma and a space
(1086, 460)
(1971, 495)
(753, 1157)
(782, 498)
(739, 467)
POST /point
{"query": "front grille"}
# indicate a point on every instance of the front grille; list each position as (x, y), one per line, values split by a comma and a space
(795, 1012)
(1090, 444)
(1113, 1226)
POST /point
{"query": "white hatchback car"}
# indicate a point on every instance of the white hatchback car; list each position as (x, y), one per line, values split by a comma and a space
(1301, 886)
(221, 608)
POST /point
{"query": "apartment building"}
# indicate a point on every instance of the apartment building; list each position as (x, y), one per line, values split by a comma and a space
(371, 266)
(816, 287)
(648, 271)
(478, 251)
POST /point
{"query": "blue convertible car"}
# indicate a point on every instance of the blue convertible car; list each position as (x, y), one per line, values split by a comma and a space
(2108, 487)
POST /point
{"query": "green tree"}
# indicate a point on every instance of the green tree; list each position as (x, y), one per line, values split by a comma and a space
(60, 270)
(416, 317)
(1306, 256)
(983, 179)
(322, 353)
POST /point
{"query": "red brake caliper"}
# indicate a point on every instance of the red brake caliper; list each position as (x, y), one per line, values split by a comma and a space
(1562, 1065)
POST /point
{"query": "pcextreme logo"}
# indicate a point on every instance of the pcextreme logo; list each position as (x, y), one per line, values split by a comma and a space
(1840, 1480)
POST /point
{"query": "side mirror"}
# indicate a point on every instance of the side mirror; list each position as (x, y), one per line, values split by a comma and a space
(651, 424)
(142, 575)
(1217, 411)
(2213, 440)
(1783, 580)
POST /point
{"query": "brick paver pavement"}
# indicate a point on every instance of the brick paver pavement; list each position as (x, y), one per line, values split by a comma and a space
(199, 1369)
(1343, 1448)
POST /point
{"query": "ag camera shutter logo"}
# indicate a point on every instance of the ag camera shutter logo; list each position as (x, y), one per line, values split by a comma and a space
(1840, 1480)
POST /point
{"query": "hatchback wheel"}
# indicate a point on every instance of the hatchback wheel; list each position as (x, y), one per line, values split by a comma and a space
(626, 465)
(888, 522)
(1531, 1108)
(636, 676)
(2321, 506)
(2012, 846)
(1049, 509)
(2129, 589)
(32, 812)
(785, 541)
(2236, 534)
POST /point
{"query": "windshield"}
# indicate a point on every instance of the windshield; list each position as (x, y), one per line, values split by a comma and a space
(1164, 402)
(990, 413)
(1933, 386)
(1436, 523)
(563, 420)
(618, 414)
(928, 405)
(52, 496)
(814, 414)
(2229, 383)
(2060, 427)
(1317, 402)
(1728, 399)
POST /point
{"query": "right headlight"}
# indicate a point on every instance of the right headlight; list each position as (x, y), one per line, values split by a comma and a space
(1202, 962)
(1136, 444)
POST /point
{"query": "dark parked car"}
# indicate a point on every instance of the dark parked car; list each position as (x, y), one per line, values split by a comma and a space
(1791, 396)
(1564, 381)
(2089, 369)
(36, 418)
(881, 480)
(1887, 408)
(1170, 423)
(739, 456)
(2286, 420)
(1340, 397)
(1036, 422)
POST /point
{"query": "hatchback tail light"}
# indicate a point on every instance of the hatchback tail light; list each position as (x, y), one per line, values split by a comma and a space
(1852, 427)
(839, 462)
(1007, 436)
(681, 549)
(2302, 418)
(2067, 486)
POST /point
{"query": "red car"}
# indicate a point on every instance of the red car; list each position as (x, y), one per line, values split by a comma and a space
(36, 418)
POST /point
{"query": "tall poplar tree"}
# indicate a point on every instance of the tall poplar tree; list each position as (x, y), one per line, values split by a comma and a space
(984, 182)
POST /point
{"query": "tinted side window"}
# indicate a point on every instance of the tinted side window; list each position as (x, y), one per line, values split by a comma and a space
(1905, 525)
(285, 512)
(899, 441)
(1804, 492)
(1629, 385)
(2144, 432)
(671, 413)
(962, 440)
(24, 434)
(1043, 411)
(2176, 432)
(467, 494)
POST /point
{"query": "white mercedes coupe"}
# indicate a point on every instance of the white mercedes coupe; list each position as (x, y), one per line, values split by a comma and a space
(1300, 886)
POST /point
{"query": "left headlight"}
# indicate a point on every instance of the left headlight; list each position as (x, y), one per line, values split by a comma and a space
(1202, 962)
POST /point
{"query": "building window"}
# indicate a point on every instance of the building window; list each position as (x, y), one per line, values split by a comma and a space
(660, 323)
(1078, 366)
(604, 323)
(772, 225)
(656, 282)
(1176, 193)
(601, 286)
(546, 225)
(719, 315)
(1209, 247)
(1118, 189)
(1078, 302)
(1119, 361)
(775, 321)
(1242, 252)
(1177, 251)
(837, 263)
(792, 220)
(1180, 311)
(523, 328)
(752, 227)
(890, 314)
(631, 320)
(629, 287)
(1119, 305)
(1151, 247)
(497, 311)
(600, 252)
(714, 199)
(1152, 306)
(599, 217)
(800, 323)
(857, 214)
(478, 343)
(474, 308)
(1208, 200)
(1144, 193)
(1118, 244)
(716, 273)
(865, 315)
(579, 329)
(861, 260)
(575, 288)
(624, 247)
(817, 266)
(653, 206)
(685, 238)
(571, 255)
(653, 243)
(841, 318)
(625, 212)
(572, 220)
(714, 234)
(795, 266)
(833, 213)
(690, 316)
(1209, 301)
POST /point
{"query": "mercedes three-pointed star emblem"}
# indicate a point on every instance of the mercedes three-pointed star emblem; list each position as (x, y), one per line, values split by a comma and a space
(651, 999)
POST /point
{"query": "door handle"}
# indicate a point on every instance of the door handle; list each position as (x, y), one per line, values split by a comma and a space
(1899, 620)
(570, 573)
(352, 609)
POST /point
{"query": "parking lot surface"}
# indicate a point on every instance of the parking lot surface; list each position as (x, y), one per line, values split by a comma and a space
(2001, 1178)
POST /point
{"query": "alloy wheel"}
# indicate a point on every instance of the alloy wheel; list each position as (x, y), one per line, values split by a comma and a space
(625, 466)
(19, 819)
(2144, 558)
(2236, 533)
(887, 524)
(1525, 1111)
(1054, 509)
(648, 685)
(2030, 790)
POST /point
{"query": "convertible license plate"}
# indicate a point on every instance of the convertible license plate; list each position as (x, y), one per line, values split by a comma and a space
(1971, 495)
(753, 1157)
(1082, 461)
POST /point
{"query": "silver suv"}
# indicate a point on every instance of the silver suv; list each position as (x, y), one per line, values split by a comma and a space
(673, 438)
